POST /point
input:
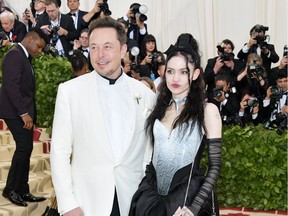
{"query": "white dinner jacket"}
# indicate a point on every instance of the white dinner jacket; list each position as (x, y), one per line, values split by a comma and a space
(90, 179)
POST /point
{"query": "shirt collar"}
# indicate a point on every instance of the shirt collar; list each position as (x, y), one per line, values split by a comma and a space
(25, 50)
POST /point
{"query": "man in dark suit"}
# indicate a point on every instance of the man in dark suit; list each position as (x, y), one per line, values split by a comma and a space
(18, 109)
(76, 14)
(14, 30)
(258, 44)
(59, 27)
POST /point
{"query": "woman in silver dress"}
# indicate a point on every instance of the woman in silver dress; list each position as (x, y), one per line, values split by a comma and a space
(180, 126)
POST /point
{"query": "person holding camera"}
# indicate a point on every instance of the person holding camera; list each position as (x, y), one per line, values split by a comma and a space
(137, 28)
(275, 103)
(226, 60)
(11, 30)
(258, 43)
(150, 56)
(225, 98)
(30, 17)
(59, 28)
(282, 65)
(254, 76)
(101, 9)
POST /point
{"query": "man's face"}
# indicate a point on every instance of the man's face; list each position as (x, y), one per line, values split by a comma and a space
(7, 24)
(223, 84)
(83, 39)
(282, 83)
(227, 48)
(52, 11)
(106, 52)
(39, 5)
(35, 45)
(73, 5)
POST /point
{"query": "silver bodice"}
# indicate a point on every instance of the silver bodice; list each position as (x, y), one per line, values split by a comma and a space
(172, 151)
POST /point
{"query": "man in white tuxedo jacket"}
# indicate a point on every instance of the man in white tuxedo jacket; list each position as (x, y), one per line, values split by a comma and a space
(98, 140)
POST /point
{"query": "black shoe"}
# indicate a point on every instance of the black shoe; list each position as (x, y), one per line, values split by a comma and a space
(28, 197)
(14, 198)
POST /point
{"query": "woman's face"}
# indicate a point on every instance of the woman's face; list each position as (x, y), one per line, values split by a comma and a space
(177, 76)
(150, 46)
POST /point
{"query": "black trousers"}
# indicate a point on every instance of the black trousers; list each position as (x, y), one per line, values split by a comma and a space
(18, 175)
(115, 209)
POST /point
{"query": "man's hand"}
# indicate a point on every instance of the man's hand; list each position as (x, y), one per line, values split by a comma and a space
(28, 122)
(218, 65)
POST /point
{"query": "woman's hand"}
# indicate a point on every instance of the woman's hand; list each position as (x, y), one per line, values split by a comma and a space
(183, 212)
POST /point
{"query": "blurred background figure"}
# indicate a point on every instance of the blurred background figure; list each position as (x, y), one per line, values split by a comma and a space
(76, 14)
(79, 62)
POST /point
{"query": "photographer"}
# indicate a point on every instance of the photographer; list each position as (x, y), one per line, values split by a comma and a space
(226, 60)
(253, 77)
(137, 28)
(275, 103)
(30, 17)
(150, 56)
(225, 98)
(283, 65)
(249, 111)
(101, 9)
(258, 44)
(11, 30)
(59, 28)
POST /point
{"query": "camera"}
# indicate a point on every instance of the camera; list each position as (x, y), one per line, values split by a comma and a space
(3, 35)
(217, 92)
(105, 8)
(154, 56)
(262, 40)
(135, 67)
(53, 32)
(252, 102)
(255, 68)
(224, 56)
(261, 28)
(139, 11)
(276, 92)
(50, 49)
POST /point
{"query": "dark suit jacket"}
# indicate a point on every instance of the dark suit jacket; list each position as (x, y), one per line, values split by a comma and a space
(137, 36)
(17, 94)
(80, 22)
(209, 75)
(66, 22)
(274, 58)
(18, 32)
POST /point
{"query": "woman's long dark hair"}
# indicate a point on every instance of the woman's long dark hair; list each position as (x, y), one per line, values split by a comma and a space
(194, 105)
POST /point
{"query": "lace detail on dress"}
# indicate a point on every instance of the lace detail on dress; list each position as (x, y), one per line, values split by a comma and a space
(172, 152)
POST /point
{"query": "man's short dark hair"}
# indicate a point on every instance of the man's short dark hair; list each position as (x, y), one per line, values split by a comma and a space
(39, 32)
(227, 41)
(109, 22)
(282, 73)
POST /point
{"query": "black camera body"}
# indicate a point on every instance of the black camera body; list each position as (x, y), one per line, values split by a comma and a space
(276, 92)
(135, 67)
(261, 28)
(261, 40)
(105, 8)
(50, 49)
(154, 56)
(53, 32)
(224, 56)
(252, 102)
(3, 35)
(256, 69)
(136, 12)
(217, 92)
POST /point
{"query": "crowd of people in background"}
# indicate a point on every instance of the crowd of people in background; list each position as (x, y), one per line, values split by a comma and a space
(240, 82)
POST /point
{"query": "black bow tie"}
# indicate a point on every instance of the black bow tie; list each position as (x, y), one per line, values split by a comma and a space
(72, 14)
(85, 50)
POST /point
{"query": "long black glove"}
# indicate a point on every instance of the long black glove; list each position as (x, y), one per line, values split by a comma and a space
(214, 152)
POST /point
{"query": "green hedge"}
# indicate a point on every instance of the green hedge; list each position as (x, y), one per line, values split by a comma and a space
(254, 164)
(254, 169)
